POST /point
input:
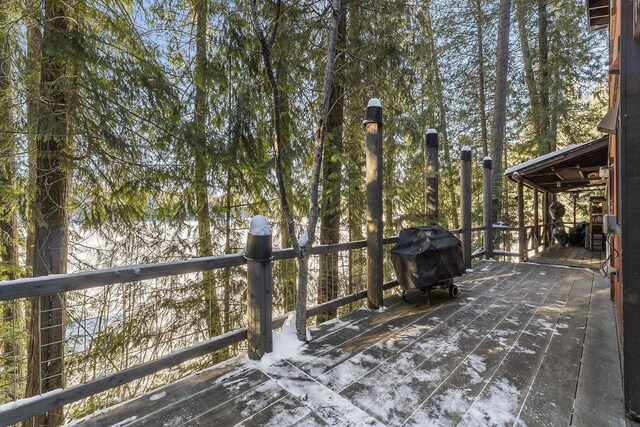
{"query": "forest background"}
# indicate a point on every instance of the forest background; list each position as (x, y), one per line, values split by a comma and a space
(143, 131)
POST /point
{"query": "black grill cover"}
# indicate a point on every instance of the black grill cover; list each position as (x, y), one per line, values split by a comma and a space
(425, 256)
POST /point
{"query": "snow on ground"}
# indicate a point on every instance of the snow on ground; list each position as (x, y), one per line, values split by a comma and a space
(158, 396)
(285, 343)
(498, 406)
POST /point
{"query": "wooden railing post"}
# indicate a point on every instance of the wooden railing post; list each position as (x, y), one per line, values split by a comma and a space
(522, 233)
(373, 126)
(545, 219)
(487, 207)
(259, 290)
(431, 165)
(536, 218)
(465, 204)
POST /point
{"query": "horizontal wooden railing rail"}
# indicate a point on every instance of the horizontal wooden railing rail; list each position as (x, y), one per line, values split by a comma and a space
(20, 410)
(37, 286)
(53, 284)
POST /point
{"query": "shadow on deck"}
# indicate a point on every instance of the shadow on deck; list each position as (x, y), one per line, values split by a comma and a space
(524, 344)
(570, 256)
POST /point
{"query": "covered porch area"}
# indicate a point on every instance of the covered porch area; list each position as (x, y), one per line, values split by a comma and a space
(579, 172)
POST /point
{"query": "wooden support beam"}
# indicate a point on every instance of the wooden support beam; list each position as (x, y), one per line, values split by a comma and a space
(465, 204)
(373, 126)
(536, 219)
(487, 207)
(431, 202)
(545, 219)
(522, 233)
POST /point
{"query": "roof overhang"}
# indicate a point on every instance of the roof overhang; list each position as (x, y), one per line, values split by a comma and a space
(572, 168)
(597, 14)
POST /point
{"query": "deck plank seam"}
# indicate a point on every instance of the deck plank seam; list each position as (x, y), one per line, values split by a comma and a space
(318, 383)
(428, 313)
(515, 342)
(586, 326)
(459, 364)
(546, 350)
(469, 306)
(417, 339)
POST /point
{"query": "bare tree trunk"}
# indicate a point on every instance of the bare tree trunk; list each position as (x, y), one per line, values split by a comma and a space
(482, 97)
(543, 70)
(301, 247)
(54, 146)
(33, 15)
(202, 165)
(498, 124)
(10, 362)
(314, 210)
(332, 178)
(442, 117)
(529, 76)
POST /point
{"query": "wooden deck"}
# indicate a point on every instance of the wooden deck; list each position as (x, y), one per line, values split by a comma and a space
(524, 344)
(571, 256)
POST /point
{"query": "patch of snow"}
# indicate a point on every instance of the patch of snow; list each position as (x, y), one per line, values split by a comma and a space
(497, 407)
(431, 131)
(174, 422)
(285, 343)
(374, 102)
(158, 396)
(303, 240)
(487, 158)
(259, 226)
(469, 270)
(380, 309)
(466, 148)
(125, 421)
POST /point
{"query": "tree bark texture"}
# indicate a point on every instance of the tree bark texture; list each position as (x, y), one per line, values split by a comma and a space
(482, 97)
(442, 118)
(53, 172)
(546, 145)
(332, 178)
(202, 161)
(498, 124)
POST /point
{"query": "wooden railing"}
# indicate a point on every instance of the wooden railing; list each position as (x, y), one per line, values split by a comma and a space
(41, 286)
(38, 286)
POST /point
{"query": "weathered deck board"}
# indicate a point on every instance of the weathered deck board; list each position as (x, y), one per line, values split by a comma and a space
(524, 343)
(570, 256)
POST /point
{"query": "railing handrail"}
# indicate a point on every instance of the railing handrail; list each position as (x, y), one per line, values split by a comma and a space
(53, 284)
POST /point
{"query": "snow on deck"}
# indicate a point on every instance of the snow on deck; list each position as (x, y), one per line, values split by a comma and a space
(524, 344)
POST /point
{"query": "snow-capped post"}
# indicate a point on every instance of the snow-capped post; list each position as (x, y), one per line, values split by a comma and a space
(431, 176)
(373, 126)
(487, 207)
(465, 204)
(259, 292)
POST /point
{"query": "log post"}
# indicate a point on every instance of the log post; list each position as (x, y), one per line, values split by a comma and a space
(545, 219)
(431, 165)
(522, 233)
(536, 218)
(487, 207)
(373, 127)
(465, 204)
(259, 292)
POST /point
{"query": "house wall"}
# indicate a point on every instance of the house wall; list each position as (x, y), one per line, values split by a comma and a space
(628, 199)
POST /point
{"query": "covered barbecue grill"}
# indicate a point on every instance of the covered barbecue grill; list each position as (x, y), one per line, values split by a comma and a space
(428, 257)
